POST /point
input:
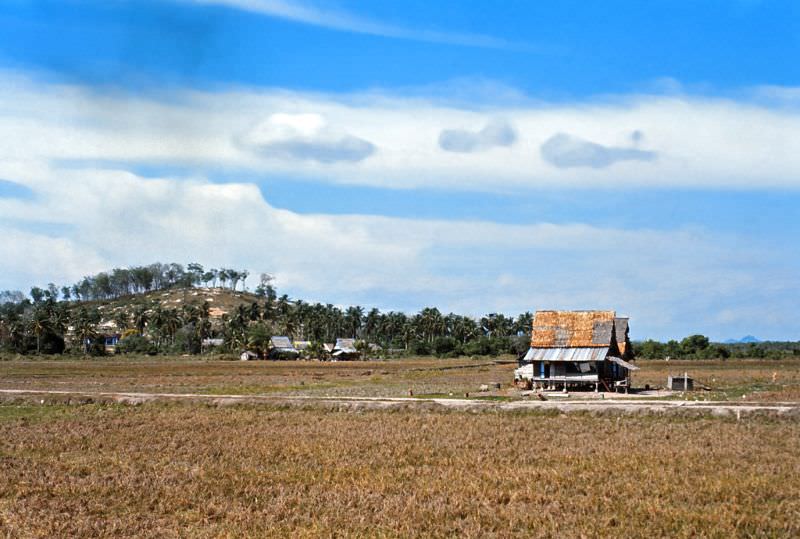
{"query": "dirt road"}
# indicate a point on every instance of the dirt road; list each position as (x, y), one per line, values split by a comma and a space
(718, 408)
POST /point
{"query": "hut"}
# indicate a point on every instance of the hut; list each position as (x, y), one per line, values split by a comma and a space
(578, 349)
(282, 348)
(680, 382)
(345, 349)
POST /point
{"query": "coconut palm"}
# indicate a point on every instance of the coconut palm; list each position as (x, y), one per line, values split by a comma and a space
(85, 325)
(40, 324)
(141, 317)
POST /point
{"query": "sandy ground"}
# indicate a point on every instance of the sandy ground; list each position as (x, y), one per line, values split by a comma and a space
(552, 403)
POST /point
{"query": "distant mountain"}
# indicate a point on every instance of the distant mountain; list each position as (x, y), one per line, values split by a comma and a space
(743, 340)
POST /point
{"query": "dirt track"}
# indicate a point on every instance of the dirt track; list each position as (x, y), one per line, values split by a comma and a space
(718, 408)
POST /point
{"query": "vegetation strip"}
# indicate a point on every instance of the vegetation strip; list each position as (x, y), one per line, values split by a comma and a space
(629, 405)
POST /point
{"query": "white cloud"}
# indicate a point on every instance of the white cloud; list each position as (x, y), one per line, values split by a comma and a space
(305, 137)
(565, 151)
(390, 142)
(496, 133)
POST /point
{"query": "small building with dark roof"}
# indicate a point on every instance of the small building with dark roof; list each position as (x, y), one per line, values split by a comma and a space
(345, 349)
(282, 348)
(577, 349)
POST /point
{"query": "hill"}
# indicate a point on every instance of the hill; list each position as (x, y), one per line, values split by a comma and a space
(221, 301)
(744, 340)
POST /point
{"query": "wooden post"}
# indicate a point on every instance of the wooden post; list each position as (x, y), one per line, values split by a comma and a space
(685, 381)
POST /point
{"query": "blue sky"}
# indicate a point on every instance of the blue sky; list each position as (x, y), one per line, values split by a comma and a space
(640, 156)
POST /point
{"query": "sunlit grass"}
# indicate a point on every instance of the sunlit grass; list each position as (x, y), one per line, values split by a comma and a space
(197, 471)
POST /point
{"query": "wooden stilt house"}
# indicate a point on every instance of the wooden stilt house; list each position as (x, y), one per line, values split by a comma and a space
(577, 349)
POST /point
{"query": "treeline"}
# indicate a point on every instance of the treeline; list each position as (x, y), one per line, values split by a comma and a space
(135, 280)
(52, 322)
(700, 347)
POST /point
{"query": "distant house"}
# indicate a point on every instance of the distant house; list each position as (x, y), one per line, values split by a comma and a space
(108, 334)
(345, 349)
(282, 348)
(589, 349)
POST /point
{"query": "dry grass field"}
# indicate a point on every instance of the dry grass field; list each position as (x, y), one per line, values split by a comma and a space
(195, 471)
(309, 378)
(757, 380)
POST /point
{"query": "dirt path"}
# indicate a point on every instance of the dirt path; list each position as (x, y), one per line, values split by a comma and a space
(718, 408)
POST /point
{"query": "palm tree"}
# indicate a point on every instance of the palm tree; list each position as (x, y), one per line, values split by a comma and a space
(141, 318)
(258, 339)
(40, 324)
(121, 319)
(170, 323)
(85, 327)
(353, 320)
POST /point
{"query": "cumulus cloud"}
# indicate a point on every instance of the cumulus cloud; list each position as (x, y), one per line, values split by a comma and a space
(496, 133)
(305, 137)
(339, 142)
(566, 151)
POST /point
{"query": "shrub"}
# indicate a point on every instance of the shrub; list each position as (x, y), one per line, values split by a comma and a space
(136, 344)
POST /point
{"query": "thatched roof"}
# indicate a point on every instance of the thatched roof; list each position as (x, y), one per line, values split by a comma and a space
(572, 329)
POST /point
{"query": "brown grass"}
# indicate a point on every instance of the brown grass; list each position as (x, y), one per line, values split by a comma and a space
(180, 471)
(758, 380)
(180, 375)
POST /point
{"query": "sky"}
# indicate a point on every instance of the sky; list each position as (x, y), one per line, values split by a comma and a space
(470, 155)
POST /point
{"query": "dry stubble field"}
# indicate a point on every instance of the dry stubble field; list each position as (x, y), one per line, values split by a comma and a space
(190, 470)
(194, 471)
(758, 380)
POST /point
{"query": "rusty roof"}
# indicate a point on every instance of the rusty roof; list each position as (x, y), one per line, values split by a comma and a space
(572, 329)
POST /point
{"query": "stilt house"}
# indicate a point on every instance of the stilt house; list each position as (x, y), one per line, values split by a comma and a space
(588, 349)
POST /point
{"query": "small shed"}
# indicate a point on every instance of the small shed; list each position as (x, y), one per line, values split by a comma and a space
(345, 349)
(680, 382)
(282, 348)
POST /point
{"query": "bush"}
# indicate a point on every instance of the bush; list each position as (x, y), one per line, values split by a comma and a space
(419, 348)
(446, 347)
(136, 344)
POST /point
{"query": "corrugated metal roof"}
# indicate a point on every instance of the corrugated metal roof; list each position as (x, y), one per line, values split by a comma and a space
(281, 343)
(623, 363)
(576, 354)
(347, 346)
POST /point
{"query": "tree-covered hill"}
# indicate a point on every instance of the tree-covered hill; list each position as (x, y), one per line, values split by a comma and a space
(169, 308)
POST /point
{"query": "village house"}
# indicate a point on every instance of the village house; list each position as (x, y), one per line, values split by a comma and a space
(577, 349)
(344, 349)
(282, 348)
